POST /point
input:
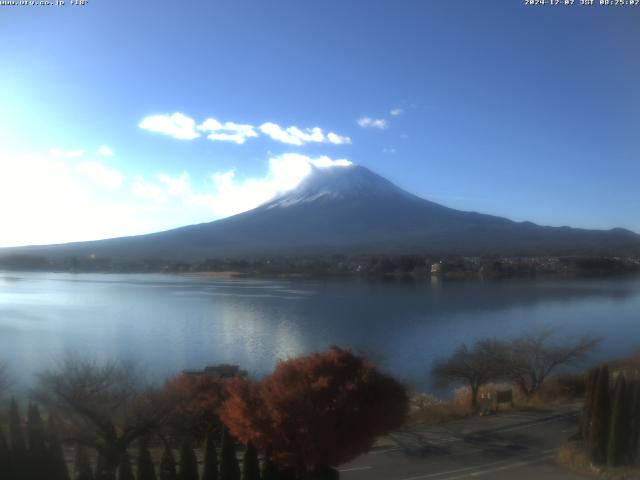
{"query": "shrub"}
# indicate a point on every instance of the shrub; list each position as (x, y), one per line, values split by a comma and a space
(316, 411)
(195, 400)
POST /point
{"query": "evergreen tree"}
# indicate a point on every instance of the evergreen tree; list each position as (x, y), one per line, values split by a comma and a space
(145, 469)
(591, 384)
(269, 469)
(188, 461)
(286, 473)
(168, 465)
(250, 465)
(272, 471)
(56, 462)
(634, 427)
(600, 416)
(37, 451)
(18, 459)
(210, 471)
(82, 465)
(4, 457)
(124, 468)
(229, 468)
(103, 472)
(617, 450)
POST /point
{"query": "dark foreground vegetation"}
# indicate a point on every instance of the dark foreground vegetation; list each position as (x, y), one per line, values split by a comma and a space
(608, 444)
(88, 421)
(310, 415)
(417, 267)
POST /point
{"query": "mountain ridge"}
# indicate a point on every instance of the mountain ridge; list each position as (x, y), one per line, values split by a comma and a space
(350, 209)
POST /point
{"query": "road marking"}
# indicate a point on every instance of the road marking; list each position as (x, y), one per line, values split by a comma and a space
(355, 469)
(498, 469)
(541, 455)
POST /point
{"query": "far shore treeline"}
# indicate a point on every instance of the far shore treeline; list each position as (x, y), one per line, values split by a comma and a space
(416, 267)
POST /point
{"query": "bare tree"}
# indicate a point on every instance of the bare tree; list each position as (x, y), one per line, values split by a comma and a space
(473, 367)
(532, 358)
(105, 407)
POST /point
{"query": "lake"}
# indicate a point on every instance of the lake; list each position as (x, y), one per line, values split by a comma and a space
(168, 323)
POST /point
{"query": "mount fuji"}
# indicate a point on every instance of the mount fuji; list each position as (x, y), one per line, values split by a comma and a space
(350, 209)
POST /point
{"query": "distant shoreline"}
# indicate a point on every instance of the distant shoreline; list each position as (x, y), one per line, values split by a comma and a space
(387, 267)
(227, 274)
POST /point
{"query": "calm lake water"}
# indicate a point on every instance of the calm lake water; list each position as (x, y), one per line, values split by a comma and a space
(168, 323)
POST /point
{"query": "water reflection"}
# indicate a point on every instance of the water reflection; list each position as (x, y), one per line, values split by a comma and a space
(170, 322)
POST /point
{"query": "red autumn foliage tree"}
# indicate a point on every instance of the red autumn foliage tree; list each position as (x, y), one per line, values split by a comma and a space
(245, 415)
(196, 400)
(316, 411)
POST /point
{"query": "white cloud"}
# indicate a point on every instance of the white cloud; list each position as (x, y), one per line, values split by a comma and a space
(48, 200)
(177, 186)
(150, 191)
(100, 175)
(295, 136)
(105, 151)
(176, 125)
(182, 127)
(59, 153)
(210, 124)
(337, 139)
(227, 194)
(163, 188)
(291, 135)
(325, 162)
(367, 122)
(228, 131)
(396, 111)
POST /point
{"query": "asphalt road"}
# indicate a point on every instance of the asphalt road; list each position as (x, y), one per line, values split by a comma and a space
(506, 446)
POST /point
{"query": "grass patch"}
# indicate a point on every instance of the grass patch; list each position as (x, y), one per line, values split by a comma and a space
(427, 409)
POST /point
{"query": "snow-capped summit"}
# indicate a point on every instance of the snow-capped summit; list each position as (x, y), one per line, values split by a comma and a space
(343, 182)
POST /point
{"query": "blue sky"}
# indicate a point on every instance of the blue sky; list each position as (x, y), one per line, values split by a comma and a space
(526, 112)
